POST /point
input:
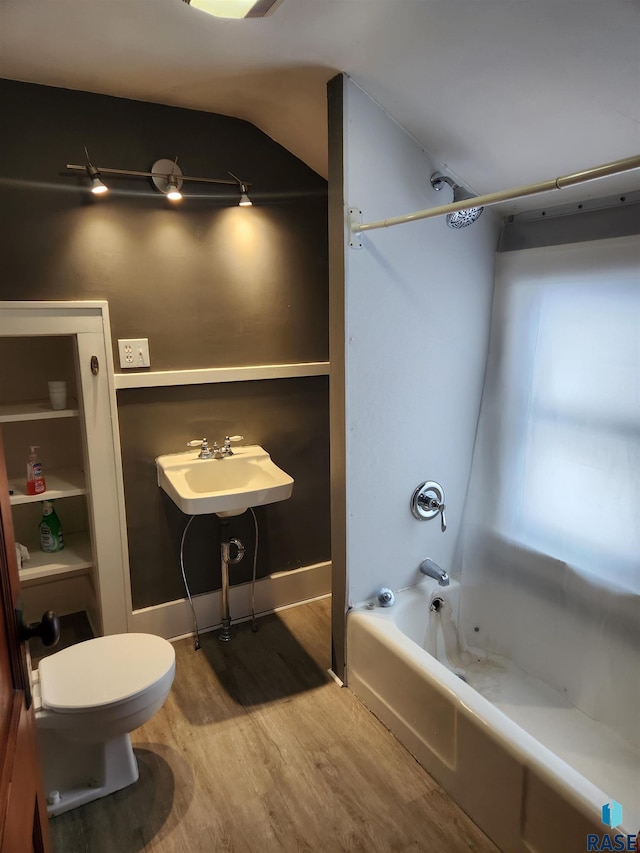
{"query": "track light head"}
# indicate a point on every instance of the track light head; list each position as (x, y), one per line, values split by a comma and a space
(172, 190)
(97, 186)
(245, 201)
(166, 177)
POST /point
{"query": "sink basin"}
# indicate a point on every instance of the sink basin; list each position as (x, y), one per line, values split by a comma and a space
(225, 486)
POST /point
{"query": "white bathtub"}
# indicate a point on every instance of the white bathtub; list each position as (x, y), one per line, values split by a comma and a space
(523, 794)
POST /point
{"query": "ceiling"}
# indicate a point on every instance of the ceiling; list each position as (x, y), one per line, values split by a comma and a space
(505, 92)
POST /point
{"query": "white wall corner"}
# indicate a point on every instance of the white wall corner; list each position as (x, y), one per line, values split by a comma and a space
(417, 317)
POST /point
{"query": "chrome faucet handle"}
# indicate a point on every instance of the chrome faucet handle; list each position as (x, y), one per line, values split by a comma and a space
(203, 444)
(227, 443)
(427, 501)
(433, 504)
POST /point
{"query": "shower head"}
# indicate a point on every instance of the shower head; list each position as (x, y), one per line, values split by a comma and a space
(461, 218)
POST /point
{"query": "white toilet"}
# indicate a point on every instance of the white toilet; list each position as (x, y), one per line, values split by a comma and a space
(87, 699)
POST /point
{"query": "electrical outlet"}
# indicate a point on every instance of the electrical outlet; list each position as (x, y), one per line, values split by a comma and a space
(134, 353)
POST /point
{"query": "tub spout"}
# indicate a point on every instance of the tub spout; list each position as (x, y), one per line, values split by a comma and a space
(433, 570)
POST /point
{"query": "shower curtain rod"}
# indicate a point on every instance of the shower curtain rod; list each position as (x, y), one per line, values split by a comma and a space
(616, 167)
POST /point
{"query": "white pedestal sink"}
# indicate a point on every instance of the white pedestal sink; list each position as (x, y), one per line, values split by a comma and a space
(226, 486)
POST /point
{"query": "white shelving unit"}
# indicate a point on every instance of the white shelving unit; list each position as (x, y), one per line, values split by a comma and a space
(79, 448)
(76, 557)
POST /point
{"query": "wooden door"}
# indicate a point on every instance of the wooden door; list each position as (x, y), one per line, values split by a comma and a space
(23, 815)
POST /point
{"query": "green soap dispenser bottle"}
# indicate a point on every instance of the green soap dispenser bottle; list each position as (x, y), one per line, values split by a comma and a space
(50, 529)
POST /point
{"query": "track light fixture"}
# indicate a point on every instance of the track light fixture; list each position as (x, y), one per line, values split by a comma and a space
(166, 176)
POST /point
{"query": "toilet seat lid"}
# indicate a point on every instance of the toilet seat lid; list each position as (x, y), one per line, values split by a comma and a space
(103, 671)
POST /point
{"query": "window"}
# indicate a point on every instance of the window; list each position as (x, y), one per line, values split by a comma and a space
(561, 411)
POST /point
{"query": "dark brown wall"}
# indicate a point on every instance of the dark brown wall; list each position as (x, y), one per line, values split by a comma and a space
(208, 283)
(289, 417)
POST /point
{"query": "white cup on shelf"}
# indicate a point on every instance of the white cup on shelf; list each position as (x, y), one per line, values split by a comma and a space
(58, 394)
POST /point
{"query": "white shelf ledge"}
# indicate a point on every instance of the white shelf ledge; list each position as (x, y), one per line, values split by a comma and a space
(33, 411)
(75, 558)
(203, 376)
(60, 484)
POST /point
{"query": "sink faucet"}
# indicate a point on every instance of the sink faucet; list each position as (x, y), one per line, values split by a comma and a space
(215, 451)
(433, 570)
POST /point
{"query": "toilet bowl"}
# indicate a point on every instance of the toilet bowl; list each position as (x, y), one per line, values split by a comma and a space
(87, 699)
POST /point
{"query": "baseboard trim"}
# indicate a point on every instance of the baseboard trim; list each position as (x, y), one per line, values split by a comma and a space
(173, 619)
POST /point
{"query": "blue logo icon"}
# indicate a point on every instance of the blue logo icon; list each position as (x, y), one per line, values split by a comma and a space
(612, 814)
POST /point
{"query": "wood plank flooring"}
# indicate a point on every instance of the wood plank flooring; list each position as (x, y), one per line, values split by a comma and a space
(258, 749)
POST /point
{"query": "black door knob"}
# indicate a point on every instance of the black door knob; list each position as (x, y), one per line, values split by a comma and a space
(48, 629)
